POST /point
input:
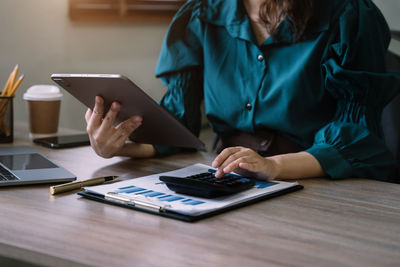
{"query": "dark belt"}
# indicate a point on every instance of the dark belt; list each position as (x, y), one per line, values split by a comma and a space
(265, 142)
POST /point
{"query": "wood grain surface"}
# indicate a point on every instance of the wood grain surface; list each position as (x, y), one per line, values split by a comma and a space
(352, 222)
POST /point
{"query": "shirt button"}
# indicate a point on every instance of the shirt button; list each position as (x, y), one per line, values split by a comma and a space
(260, 58)
(248, 106)
(264, 143)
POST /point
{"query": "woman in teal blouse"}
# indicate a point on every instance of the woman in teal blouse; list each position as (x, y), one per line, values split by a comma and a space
(322, 86)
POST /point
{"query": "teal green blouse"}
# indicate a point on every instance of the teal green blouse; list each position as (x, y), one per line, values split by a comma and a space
(326, 92)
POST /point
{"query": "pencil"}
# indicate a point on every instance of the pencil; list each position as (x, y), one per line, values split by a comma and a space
(15, 87)
(13, 77)
(10, 81)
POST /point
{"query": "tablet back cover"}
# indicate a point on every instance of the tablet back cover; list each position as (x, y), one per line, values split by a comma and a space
(158, 126)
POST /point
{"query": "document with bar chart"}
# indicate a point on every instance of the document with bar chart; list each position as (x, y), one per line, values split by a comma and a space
(148, 193)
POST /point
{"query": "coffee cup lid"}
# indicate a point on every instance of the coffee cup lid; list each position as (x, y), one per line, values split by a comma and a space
(43, 92)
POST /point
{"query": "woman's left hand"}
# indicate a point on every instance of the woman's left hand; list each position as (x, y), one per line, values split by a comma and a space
(245, 161)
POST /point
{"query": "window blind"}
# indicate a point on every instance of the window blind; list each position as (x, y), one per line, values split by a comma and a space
(123, 10)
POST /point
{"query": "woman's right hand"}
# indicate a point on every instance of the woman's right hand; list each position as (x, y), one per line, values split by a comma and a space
(107, 140)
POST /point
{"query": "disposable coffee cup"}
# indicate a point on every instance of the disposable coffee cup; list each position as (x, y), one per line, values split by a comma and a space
(44, 102)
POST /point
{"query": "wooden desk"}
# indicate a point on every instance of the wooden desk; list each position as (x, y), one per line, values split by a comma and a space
(351, 222)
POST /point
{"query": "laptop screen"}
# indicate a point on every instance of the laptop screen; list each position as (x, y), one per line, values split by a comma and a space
(26, 162)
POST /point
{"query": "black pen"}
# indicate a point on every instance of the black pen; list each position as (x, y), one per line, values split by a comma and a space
(79, 184)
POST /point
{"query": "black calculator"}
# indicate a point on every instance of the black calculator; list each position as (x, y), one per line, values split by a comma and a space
(207, 185)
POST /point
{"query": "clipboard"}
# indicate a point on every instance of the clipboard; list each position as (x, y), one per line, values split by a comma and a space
(184, 217)
(149, 194)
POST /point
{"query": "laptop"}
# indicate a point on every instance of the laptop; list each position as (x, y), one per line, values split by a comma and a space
(25, 165)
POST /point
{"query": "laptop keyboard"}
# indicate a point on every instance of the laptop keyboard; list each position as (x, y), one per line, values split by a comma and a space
(6, 175)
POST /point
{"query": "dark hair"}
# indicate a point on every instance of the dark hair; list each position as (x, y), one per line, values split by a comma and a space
(298, 12)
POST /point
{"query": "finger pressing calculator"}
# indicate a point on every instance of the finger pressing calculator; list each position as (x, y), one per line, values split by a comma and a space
(207, 185)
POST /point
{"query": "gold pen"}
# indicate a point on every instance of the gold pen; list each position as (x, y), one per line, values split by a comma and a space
(79, 184)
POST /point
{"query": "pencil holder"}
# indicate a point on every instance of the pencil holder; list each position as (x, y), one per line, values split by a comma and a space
(6, 119)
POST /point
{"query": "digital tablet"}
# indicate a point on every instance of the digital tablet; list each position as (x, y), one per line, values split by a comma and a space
(158, 126)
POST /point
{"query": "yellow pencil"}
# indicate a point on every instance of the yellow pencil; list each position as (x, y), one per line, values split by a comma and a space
(15, 87)
(10, 81)
(13, 77)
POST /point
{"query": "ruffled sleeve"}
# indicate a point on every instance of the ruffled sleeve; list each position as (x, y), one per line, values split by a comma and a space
(180, 69)
(354, 73)
(183, 100)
